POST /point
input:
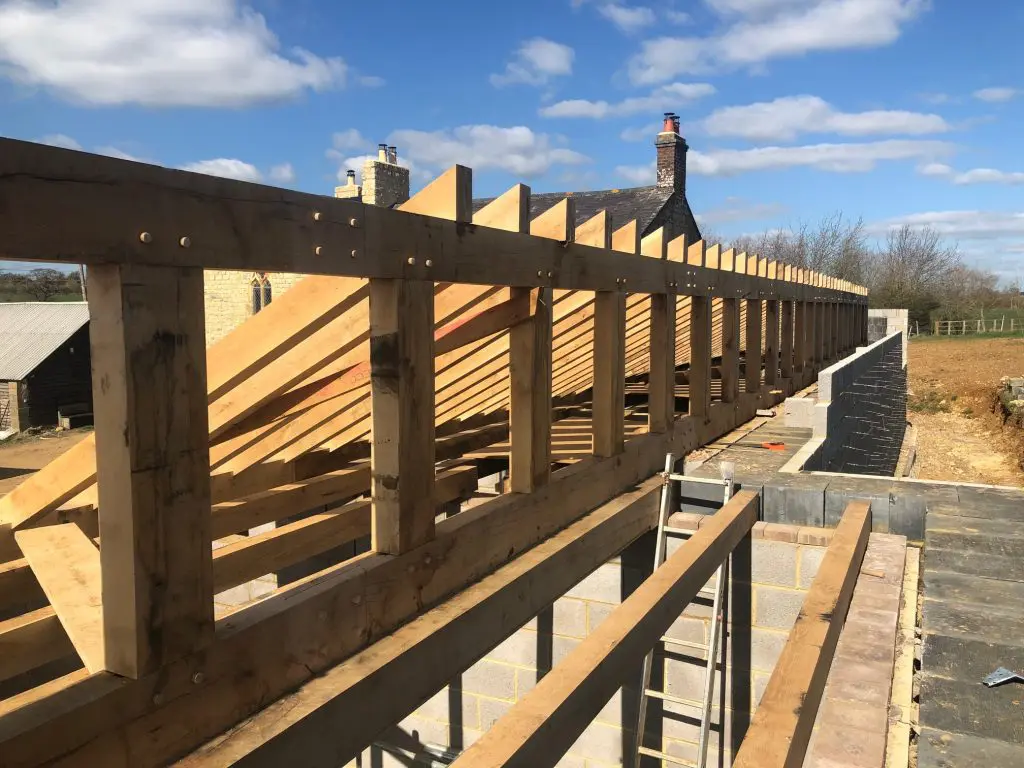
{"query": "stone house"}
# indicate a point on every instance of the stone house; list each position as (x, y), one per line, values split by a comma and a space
(233, 296)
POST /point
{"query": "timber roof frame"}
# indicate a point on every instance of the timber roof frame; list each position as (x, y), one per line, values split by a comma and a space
(433, 330)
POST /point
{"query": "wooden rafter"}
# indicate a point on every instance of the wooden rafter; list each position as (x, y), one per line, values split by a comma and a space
(421, 329)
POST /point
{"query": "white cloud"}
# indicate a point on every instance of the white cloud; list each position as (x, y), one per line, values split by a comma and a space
(353, 164)
(935, 169)
(349, 139)
(627, 18)
(973, 176)
(677, 17)
(208, 53)
(637, 174)
(785, 118)
(937, 98)
(60, 140)
(536, 62)
(517, 150)
(641, 133)
(661, 98)
(835, 158)
(120, 154)
(995, 95)
(370, 81)
(227, 167)
(739, 209)
(761, 30)
(968, 225)
(66, 142)
(282, 174)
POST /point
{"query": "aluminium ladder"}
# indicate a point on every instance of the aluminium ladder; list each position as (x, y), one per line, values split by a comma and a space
(711, 648)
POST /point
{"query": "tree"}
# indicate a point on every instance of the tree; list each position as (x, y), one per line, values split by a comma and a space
(836, 246)
(44, 284)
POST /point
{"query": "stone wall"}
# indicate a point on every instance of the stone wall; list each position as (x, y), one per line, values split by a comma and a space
(785, 560)
(228, 298)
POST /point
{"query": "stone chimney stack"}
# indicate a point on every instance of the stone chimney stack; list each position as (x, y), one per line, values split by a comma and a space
(672, 149)
(351, 189)
(385, 182)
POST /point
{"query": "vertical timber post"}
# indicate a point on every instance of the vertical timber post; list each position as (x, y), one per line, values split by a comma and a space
(147, 332)
(529, 349)
(786, 348)
(753, 371)
(661, 386)
(700, 343)
(730, 338)
(609, 404)
(402, 406)
(771, 345)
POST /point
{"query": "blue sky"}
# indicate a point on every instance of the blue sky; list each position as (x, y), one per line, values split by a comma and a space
(893, 110)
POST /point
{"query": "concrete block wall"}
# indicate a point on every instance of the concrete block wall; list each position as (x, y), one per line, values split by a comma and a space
(859, 415)
(882, 322)
(784, 561)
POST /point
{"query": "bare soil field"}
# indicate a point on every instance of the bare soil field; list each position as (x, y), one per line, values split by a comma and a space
(21, 456)
(960, 437)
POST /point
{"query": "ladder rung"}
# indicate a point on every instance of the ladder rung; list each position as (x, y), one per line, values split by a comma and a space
(678, 531)
(684, 643)
(669, 697)
(694, 479)
(648, 752)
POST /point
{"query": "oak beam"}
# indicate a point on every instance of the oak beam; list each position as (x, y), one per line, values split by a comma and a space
(544, 724)
(381, 685)
(661, 398)
(152, 463)
(67, 564)
(753, 351)
(402, 396)
(782, 724)
(786, 348)
(771, 345)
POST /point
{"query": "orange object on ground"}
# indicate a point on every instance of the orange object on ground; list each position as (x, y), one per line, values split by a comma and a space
(774, 446)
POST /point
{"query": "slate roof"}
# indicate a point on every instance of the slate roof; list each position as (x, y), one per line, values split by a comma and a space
(640, 203)
(32, 331)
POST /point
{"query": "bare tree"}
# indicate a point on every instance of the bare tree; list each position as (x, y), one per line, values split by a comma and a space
(915, 262)
(836, 245)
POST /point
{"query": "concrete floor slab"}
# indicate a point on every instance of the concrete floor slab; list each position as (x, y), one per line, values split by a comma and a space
(939, 749)
(973, 709)
(973, 621)
(959, 658)
(988, 566)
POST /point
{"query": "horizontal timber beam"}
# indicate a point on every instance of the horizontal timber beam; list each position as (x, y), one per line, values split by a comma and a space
(543, 725)
(281, 642)
(380, 686)
(782, 724)
(117, 211)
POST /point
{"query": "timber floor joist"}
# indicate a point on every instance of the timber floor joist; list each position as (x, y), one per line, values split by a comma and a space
(427, 343)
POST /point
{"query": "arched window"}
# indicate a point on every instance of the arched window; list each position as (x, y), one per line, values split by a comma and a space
(262, 293)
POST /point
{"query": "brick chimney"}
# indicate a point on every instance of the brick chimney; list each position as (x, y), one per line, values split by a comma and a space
(672, 150)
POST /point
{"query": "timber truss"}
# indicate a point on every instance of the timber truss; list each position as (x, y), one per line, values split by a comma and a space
(426, 343)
